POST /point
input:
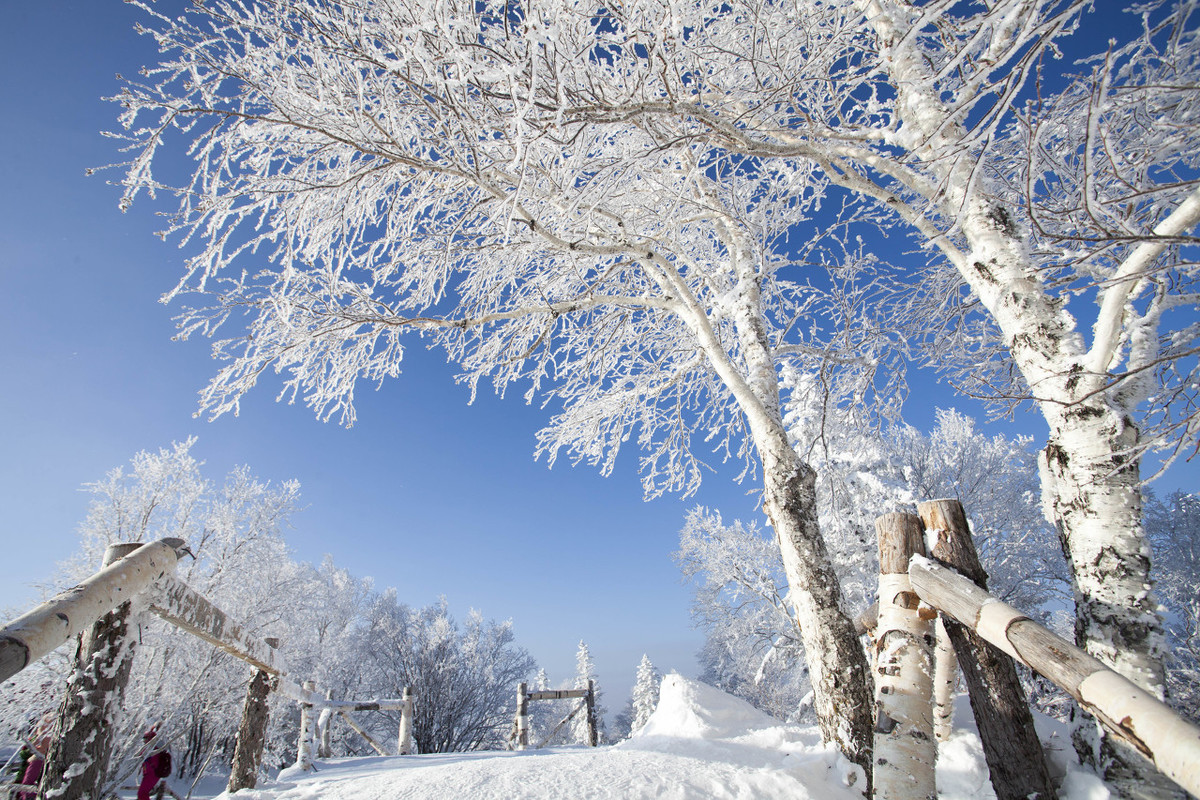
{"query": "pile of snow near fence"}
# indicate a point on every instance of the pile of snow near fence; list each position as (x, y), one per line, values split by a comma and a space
(700, 743)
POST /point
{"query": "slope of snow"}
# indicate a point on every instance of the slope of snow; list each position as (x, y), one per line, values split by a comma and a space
(699, 744)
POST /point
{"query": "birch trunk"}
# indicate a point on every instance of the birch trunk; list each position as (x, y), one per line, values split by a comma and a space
(77, 763)
(1094, 497)
(307, 736)
(836, 659)
(945, 677)
(1089, 483)
(905, 748)
(404, 737)
(837, 663)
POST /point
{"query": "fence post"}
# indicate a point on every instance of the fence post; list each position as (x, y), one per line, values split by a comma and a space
(522, 716)
(252, 732)
(404, 743)
(905, 750)
(325, 729)
(945, 676)
(1010, 743)
(80, 749)
(304, 747)
(590, 699)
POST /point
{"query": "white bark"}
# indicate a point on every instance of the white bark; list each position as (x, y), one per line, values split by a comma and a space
(905, 748)
(307, 734)
(404, 738)
(1143, 720)
(945, 677)
(34, 634)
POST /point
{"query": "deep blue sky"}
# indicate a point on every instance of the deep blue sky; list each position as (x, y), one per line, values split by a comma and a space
(426, 493)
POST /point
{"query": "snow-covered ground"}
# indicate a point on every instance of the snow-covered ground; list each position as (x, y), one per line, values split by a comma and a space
(700, 743)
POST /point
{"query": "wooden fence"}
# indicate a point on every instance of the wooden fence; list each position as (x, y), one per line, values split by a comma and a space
(587, 704)
(98, 609)
(987, 636)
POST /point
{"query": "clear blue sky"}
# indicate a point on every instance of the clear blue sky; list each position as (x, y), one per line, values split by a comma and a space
(426, 493)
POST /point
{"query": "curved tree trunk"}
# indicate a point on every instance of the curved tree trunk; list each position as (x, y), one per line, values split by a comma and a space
(841, 680)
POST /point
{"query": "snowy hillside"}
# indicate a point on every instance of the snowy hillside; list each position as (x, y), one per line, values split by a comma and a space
(700, 743)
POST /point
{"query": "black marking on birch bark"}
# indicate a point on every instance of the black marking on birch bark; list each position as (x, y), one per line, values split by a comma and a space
(984, 272)
(1004, 223)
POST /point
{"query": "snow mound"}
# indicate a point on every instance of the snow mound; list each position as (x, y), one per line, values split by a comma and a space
(689, 709)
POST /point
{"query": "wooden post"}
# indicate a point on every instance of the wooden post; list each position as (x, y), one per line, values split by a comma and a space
(325, 728)
(304, 747)
(592, 727)
(945, 676)
(252, 733)
(77, 762)
(1129, 711)
(1010, 743)
(522, 716)
(404, 743)
(905, 750)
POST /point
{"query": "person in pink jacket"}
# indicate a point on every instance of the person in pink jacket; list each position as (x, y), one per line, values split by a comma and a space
(155, 768)
(39, 742)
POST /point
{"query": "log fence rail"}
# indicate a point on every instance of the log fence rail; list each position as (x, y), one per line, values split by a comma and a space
(987, 636)
(99, 607)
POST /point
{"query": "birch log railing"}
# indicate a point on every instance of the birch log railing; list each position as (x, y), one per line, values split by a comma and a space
(100, 607)
(521, 720)
(1149, 725)
(993, 632)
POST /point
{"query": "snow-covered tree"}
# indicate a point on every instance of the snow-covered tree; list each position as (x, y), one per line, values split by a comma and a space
(463, 677)
(1173, 525)
(645, 693)
(596, 205)
(585, 671)
(500, 196)
(190, 690)
(752, 646)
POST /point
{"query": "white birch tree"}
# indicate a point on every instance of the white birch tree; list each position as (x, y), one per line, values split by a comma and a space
(491, 177)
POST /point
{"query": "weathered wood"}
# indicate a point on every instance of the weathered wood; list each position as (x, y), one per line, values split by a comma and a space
(557, 694)
(405, 745)
(34, 634)
(252, 732)
(1130, 712)
(361, 731)
(179, 604)
(589, 700)
(522, 716)
(1010, 743)
(867, 620)
(304, 745)
(360, 705)
(77, 761)
(578, 707)
(905, 750)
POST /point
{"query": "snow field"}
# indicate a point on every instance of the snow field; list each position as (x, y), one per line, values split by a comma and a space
(700, 744)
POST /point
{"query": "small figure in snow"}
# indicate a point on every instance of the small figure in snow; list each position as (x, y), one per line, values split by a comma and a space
(39, 744)
(20, 763)
(155, 769)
